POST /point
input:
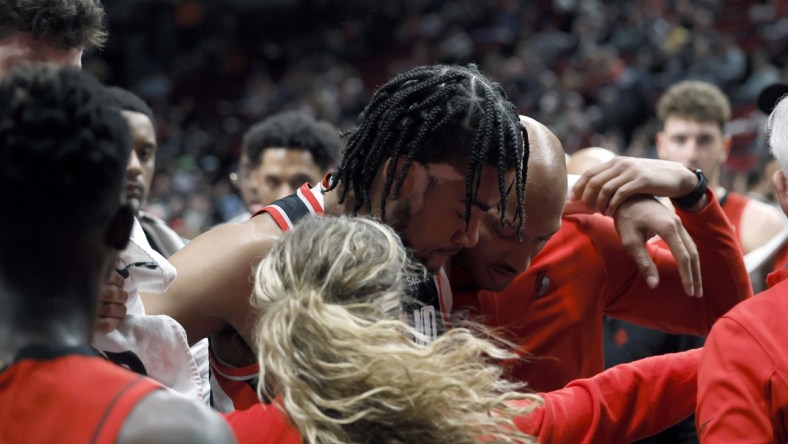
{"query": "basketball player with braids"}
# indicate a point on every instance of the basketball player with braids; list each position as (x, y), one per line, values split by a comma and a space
(437, 147)
(342, 367)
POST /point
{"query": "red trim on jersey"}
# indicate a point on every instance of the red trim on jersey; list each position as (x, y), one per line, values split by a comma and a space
(249, 371)
(306, 190)
(235, 382)
(278, 216)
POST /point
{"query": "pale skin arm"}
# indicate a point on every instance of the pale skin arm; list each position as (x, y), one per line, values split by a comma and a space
(164, 418)
(759, 224)
(215, 279)
(611, 187)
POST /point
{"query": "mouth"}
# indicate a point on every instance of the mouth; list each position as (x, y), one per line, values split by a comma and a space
(501, 273)
(134, 191)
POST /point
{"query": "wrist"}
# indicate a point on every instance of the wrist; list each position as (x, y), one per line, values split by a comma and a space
(694, 199)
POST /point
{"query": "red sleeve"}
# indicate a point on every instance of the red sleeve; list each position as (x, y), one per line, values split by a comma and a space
(668, 308)
(733, 379)
(622, 404)
(262, 424)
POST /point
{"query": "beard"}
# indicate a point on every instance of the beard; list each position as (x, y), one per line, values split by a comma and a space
(400, 221)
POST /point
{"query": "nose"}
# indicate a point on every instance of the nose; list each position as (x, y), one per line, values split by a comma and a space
(469, 236)
(284, 191)
(134, 168)
(692, 151)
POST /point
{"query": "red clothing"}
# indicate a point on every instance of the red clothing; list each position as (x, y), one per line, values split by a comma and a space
(743, 375)
(555, 309)
(622, 404)
(733, 206)
(233, 388)
(262, 423)
(68, 395)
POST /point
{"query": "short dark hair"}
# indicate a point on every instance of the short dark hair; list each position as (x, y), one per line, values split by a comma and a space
(63, 157)
(695, 100)
(436, 114)
(64, 23)
(126, 100)
(293, 130)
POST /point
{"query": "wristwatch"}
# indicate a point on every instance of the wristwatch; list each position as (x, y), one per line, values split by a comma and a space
(689, 200)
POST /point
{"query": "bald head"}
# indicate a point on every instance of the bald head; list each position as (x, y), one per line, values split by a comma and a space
(546, 165)
(500, 256)
(587, 158)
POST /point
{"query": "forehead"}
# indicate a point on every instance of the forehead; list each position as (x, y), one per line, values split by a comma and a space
(279, 157)
(22, 47)
(139, 123)
(676, 124)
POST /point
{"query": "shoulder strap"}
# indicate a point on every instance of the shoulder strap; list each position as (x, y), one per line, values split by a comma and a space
(287, 211)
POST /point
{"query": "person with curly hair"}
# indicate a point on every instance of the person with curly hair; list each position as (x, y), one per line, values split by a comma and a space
(53, 386)
(279, 154)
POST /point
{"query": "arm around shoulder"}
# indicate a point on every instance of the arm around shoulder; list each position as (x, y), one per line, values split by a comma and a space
(622, 404)
(165, 418)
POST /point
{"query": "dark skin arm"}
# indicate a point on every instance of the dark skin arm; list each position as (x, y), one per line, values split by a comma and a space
(215, 278)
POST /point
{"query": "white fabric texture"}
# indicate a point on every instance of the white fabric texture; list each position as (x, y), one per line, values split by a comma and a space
(158, 341)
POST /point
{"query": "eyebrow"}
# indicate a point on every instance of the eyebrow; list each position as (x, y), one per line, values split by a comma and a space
(478, 204)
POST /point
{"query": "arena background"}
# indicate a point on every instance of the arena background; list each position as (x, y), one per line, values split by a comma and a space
(590, 70)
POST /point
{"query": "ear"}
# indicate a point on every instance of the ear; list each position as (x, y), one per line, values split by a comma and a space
(781, 189)
(119, 230)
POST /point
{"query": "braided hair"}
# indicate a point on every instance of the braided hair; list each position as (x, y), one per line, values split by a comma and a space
(436, 114)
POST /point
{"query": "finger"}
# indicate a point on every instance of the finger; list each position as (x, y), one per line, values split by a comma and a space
(116, 311)
(115, 279)
(680, 252)
(112, 294)
(104, 325)
(579, 186)
(609, 192)
(694, 258)
(635, 246)
(595, 185)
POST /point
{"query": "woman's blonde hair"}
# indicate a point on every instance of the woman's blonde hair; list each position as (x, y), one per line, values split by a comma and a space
(347, 369)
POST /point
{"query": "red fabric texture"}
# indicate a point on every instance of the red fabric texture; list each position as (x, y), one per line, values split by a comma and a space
(743, 374)
(734, 208)
(589, 275)
(622, 404)
(261, 424)
(73, 397)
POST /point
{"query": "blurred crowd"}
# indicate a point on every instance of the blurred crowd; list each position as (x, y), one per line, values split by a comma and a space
(590, 70)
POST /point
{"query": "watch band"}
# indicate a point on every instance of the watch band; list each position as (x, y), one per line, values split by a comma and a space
(689, 200)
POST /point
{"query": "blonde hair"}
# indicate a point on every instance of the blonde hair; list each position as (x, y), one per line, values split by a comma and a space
(347, 369)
